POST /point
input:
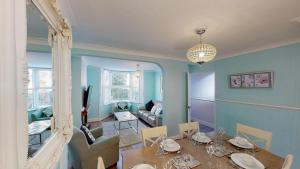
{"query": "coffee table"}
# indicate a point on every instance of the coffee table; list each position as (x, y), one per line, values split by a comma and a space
(38, 127)
(127, 117)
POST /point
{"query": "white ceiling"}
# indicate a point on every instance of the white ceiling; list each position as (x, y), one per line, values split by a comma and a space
(166, 27)
(121, 65)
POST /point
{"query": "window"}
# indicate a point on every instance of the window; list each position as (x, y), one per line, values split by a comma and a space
(39, 88)
(121, 86)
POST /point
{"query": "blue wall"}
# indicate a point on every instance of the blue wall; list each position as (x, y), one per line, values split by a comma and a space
(93, 79)
(149, 86)
(283, 123)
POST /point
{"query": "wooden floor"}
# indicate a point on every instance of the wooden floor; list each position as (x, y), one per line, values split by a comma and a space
(119, 164)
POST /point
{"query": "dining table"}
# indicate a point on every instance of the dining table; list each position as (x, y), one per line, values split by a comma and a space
(149, 155)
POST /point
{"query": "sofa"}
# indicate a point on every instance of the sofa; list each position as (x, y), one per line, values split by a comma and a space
(152, 117)
(85, 156)
(42, 113)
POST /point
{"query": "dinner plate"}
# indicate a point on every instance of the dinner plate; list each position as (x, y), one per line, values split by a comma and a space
(202, 138)
(246, 161)
(241, 142)
(170, 145)
(143, 166)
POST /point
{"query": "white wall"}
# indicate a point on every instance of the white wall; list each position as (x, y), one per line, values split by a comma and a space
(39, 59)
(202, 98)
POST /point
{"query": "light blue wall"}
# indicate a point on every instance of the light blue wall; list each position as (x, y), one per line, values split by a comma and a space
(93, 79)
(283, 123)
(174, 85)
(76, 90)
(149, 86)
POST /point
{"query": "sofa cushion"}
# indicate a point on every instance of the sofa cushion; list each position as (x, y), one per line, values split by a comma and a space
(153, 110)
(151, 119)
(149, 105)
(89, 137)
(158, 110)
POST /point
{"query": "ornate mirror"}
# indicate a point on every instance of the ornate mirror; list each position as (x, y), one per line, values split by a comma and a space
(49, 84)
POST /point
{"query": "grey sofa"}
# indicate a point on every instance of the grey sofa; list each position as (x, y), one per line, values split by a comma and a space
(85, 156)
(152, 119)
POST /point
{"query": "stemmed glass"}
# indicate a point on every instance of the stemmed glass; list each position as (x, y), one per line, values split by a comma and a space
(210, 149)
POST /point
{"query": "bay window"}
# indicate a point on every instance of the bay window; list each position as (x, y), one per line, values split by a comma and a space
(122, 86)
(39, 88)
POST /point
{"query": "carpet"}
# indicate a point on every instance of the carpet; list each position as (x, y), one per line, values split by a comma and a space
(127, 136)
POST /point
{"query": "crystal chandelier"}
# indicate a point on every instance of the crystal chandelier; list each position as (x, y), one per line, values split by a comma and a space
(201, 52)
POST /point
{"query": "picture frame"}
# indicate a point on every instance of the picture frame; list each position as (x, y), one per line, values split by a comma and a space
(235, 81)
(251, 80)
(263, 80)
(248, 80)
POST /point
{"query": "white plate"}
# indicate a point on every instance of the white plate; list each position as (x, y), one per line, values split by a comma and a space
(246, 144)
(201, 139)
(246, 161)
(143, 166)
(171, 146)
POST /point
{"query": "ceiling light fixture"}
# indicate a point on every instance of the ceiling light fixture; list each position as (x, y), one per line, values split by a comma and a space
(201, 52)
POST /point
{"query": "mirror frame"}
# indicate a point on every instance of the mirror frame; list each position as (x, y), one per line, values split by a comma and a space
(60, 40)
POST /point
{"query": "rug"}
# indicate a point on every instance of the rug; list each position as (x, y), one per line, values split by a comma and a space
(127, 136)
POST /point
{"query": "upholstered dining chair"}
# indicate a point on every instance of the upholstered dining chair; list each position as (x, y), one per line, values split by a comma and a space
(100, 163)
(85, 156)
(153, 135)
(188, 129)
(288, 162)
(261, 135)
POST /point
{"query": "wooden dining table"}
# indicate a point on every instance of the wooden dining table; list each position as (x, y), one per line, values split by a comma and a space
(149, 155)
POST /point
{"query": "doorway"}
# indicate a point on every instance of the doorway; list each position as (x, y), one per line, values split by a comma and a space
(202, 100)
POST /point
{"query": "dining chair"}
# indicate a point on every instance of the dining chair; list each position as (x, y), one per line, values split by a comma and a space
(288, 162)
(261, 135)
(153, 135)
(188, 129)
(100, 164)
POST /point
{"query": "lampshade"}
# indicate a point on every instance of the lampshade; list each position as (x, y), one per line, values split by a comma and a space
(201, 52)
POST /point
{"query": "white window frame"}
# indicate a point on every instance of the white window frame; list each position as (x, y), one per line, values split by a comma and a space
(107, 101)
(35, 86)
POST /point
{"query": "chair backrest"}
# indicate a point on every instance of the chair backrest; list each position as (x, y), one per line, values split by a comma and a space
(288, 162)
(263, 135)
(100, 164)
(153, 135)
(188, 129)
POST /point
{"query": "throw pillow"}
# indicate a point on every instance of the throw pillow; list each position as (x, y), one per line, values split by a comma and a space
(158, 110)
(149, 105)
(153, 110)
(47, 111)
(89, 137)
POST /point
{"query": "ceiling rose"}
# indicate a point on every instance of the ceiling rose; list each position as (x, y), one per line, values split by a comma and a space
(201, 52)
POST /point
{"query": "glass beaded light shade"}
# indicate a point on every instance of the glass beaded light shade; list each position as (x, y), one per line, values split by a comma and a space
(201, 53)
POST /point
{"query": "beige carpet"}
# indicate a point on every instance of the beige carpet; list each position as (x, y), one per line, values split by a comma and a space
(127, 136)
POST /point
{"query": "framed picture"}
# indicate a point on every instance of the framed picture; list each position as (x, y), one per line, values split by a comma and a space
(263, 80)
(235, 81)
(248, 80)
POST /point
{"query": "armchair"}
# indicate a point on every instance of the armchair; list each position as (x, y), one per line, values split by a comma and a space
(85, 156)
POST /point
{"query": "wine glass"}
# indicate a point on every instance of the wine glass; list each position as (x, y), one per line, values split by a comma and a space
(210, 149)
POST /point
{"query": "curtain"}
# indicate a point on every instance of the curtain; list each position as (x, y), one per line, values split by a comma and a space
(13, 67)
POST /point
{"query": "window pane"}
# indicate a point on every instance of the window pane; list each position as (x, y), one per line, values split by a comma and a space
(45, 78)
(45, 97)
(135, 79)
(135, 94)
(120, 94)
(30, 78)
(120, 78)
(30, 103)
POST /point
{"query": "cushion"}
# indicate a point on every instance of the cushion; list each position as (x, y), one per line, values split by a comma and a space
(149, 105)
(122, 106)
(89, 137)
(153, 110)
(47, 111)
(158, 110)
